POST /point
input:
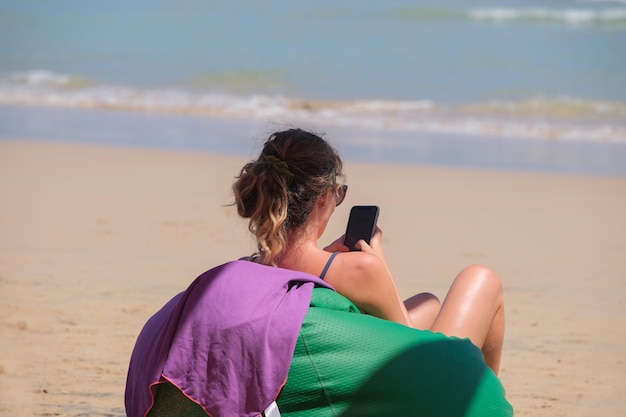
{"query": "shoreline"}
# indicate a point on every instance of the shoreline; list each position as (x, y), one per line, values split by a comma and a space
(95, 238)
(357, 144)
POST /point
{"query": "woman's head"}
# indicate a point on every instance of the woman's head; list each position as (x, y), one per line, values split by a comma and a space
(279, 190)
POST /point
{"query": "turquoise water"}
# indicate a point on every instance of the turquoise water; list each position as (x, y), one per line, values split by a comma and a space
(516, 70)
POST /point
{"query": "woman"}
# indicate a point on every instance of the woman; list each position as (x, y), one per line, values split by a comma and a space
(289, 193)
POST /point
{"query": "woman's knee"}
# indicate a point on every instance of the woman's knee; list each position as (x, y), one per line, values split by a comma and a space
(483, 278)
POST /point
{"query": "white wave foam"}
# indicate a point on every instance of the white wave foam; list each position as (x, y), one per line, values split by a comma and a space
(572, 16)
(559, 119)
(605, 1)
(40, 78)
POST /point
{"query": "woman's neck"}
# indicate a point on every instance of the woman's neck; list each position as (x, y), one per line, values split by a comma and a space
(299, 251)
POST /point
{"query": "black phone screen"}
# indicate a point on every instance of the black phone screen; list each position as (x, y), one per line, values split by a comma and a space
(361, 225)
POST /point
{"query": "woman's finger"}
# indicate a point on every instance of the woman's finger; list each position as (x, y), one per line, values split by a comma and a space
(337, 246)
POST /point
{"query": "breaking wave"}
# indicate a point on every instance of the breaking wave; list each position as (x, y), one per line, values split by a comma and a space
(570, 16)
(538, 118)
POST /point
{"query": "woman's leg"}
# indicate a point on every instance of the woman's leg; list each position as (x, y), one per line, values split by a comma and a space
(423, 308)
(474, 308)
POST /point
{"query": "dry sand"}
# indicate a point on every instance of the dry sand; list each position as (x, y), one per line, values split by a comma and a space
(94, 239)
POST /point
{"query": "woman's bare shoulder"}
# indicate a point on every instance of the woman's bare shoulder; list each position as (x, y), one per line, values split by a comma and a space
(354, 266)
(359, 259)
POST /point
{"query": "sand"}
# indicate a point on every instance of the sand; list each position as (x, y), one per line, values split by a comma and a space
(94, 239)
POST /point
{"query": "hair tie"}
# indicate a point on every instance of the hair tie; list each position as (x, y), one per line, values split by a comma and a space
(282, 166)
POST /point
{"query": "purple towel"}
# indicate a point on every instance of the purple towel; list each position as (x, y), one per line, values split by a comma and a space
(226, 342)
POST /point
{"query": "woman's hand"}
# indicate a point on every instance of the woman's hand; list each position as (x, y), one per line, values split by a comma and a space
(375, 247)
(337, 246)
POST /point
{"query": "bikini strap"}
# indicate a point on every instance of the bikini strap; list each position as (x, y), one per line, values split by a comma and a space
(330, 260)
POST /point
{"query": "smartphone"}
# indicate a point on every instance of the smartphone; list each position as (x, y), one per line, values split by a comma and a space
(361, 225)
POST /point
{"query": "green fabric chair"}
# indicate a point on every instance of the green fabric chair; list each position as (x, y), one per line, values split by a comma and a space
(351, 364)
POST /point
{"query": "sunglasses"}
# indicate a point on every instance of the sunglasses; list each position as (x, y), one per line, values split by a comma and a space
(340, 194)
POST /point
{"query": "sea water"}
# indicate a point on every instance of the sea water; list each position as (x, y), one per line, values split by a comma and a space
(493, 84)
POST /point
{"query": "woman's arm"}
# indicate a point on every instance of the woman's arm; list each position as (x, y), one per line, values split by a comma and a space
(365, 279)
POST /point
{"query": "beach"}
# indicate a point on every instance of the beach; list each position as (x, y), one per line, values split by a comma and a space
(486, 132)
(95, 238)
